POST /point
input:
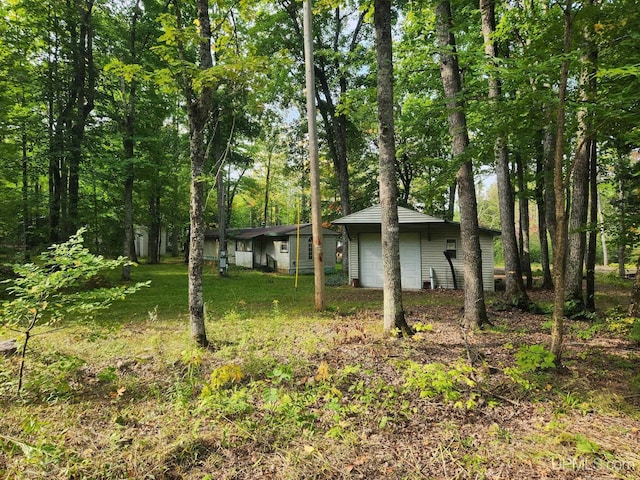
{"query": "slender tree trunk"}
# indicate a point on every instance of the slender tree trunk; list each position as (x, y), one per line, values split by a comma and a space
(475, 313)
(547, 279)
(514, 286)
(622, 217)
(83, 86)
(54, 134)
(593, 227)
(622, 254)
(199, 106)
(523, 203)
(603, 234)
(549, 149)
(26, 217)
(155, 224)
(128, 147)
(577, 239)
(335, 122)
(128, 144)
(267, 184)
(560, 243)
(634, 305)
(450, 206)
(222, 207)
(394, 319)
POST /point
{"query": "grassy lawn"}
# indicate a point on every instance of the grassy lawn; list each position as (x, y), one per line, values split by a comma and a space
(288, 393)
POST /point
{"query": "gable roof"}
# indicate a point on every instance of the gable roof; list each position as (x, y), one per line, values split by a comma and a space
(406, 216)
(373, 215)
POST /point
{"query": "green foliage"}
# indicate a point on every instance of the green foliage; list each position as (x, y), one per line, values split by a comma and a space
(455, 384)
(421, 327)
(531, 358)
(55, 375)
(56, 287)
(224, 377)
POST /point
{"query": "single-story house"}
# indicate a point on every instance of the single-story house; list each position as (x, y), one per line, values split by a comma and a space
(430, 250)
(273, 247)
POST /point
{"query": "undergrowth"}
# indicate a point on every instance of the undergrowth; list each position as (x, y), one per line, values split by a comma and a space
(287, 393)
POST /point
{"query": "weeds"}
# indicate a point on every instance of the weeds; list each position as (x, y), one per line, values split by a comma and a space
(294, 394)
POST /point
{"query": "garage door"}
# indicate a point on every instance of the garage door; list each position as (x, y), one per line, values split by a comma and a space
(371, 260)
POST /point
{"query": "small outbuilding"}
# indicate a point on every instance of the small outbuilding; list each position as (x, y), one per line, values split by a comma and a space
(430, 250)
(274, 248)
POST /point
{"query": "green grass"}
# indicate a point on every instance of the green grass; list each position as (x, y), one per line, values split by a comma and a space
(241, 289)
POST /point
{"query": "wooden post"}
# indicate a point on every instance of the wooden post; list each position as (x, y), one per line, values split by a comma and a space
(316, 212)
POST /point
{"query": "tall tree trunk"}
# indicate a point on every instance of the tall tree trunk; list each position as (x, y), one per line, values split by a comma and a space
(577, 239)
(523, 203)
(26, 217)
(560, 242)
(593, 227)
(593, 190)
(514, 286)
(267, 184)
(128, 145)
(603, 234)
(221, 196)
(335, 122)
(394, 319)
(634, 305)
(549, 149)
(83, 88)
(56, 160)
(155, 224)
(475, 313)
(451, 205)
(622, 227)
(199, 104)
(547, 279)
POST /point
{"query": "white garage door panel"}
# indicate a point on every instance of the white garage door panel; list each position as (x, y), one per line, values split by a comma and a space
(370, 260)
(410, 266)
(371, 275)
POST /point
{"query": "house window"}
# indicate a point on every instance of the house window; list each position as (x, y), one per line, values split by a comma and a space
(310, 243)
(451, 248)
(284, 246)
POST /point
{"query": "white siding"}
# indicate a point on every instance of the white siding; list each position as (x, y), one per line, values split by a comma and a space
(488, 276)
(281, 257)
(354, 266)
(244, 259)
(434, 244)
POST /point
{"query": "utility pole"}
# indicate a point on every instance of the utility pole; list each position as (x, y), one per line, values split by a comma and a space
(316, 212)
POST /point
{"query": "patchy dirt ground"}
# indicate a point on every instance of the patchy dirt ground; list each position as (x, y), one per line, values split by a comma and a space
(352, 405)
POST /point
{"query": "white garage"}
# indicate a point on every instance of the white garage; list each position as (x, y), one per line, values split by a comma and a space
(371, 260)
(430, 250)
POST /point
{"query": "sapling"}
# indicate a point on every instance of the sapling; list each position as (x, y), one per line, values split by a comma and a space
(45, 293)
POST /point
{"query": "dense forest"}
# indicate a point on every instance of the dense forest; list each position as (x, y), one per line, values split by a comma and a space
(174, 117)
(105, 105)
